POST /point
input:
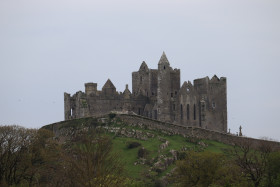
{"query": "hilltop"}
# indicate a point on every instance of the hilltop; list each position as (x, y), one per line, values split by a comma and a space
(130, 150)
(149, 148)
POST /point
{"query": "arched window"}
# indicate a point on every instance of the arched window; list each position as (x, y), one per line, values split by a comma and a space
(188, 111)
(194, 112)
(163, 67)
(181, 111)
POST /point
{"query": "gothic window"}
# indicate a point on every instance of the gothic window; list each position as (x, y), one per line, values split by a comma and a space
(188, 89)
(194, 112)
(181, 111)
(175, 92)
(174, 108)
(188, 111)
(139, 111)
(163, 67)
(171, 94)
(155, 114)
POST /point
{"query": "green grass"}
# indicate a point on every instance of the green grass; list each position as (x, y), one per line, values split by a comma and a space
(130, 156)
(217, 147)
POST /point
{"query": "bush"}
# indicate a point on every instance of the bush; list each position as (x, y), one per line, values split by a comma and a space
(142, 153)
(132, 145)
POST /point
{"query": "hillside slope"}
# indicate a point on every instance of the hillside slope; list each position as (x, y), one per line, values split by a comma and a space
(148, 153)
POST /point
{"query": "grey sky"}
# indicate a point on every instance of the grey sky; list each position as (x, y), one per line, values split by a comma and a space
(51, 46)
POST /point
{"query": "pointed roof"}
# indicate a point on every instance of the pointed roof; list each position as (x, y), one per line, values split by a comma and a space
(215, 78)
(144, 66)
(163, 59)
(109, 84)
(126, 91)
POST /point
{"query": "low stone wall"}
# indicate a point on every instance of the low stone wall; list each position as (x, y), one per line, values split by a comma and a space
(195, 132)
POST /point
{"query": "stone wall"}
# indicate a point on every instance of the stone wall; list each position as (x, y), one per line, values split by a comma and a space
(195, 132)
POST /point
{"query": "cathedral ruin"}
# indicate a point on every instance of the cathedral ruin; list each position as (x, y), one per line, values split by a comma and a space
(157, 94)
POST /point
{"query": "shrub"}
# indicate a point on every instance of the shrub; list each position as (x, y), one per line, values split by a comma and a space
(142, 153)
(132, 145)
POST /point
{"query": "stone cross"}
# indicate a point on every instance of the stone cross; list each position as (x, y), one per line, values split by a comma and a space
(240, 131)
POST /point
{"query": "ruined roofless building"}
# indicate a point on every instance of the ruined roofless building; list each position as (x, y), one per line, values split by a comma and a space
(157, 94)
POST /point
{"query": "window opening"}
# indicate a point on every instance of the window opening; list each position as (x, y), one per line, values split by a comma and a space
(155, 114)
(188, 111)
(181, 111)
(194, 112)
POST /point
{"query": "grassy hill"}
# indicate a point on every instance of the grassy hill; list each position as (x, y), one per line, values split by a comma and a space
(146, 154)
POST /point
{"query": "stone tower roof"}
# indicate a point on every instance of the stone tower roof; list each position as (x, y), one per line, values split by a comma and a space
(163, 59)
(109, 84)
(144, 66)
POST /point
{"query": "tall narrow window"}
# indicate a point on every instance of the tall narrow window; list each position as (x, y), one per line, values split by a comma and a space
(194, 112)
(139, 111)
(188, 111)
(181, 111)
(155, 114)
(174, 107)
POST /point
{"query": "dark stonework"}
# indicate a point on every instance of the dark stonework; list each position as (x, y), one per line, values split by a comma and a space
(157, 94)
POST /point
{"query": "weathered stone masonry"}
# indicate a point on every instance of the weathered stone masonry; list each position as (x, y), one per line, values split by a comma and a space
(157, 94)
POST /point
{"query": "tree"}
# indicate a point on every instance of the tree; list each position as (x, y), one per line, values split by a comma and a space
(207, 169)
(14, 143)
(252, 159)
(273, 170)
(197, 169)
(90, 162)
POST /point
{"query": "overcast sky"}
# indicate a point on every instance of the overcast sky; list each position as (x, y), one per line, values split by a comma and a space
(49, 47)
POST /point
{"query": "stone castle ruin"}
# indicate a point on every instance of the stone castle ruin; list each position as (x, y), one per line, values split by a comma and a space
(157, 94)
